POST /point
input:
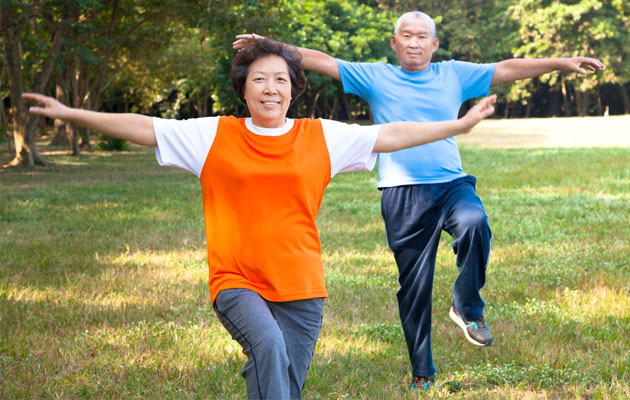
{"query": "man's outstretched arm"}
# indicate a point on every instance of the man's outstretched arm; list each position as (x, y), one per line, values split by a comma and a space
(312, 60)
(522, 68)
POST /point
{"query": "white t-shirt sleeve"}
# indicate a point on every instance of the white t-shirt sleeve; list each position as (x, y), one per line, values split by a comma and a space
(350, 146)
(184, 143)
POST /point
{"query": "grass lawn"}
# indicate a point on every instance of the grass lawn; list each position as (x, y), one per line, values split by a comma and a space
(103, 280)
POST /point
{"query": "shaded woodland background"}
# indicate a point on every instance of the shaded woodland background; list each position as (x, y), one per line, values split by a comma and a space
(171, 58)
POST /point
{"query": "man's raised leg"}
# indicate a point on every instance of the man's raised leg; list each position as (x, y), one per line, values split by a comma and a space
(467, 222)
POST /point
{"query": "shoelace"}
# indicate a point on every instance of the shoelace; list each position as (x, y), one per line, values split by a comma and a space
(481, 322)
(420, 381)
(478, 323)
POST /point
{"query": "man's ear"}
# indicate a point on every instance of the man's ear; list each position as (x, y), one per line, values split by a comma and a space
(436, 44)
(392, 42)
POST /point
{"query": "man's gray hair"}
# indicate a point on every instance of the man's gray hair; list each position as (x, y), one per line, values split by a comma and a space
(415, 14)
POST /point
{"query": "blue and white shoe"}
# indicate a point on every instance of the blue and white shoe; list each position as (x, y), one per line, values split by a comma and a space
(420, 383)
(477, 332)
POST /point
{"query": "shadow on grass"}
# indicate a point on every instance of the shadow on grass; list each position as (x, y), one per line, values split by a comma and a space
(364, 353)
(118, 243)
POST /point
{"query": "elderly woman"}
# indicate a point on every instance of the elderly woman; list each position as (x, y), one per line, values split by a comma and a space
(262, 180)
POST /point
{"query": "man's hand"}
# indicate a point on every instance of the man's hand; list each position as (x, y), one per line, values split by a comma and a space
(478, 112)
(245, 40)
(582, 64)
(312, 60)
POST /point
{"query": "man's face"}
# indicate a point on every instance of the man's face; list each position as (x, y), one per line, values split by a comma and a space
(414, 44)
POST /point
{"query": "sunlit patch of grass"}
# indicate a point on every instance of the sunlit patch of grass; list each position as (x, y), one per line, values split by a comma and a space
(584, 132)
(104, 292)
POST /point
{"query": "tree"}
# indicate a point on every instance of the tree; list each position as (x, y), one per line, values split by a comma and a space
(110, 37)
(569, 28)
(344, 29)
(4, 123)
(15, 16)
(90, 42)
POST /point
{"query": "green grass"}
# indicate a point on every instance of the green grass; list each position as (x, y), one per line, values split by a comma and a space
(103, 285)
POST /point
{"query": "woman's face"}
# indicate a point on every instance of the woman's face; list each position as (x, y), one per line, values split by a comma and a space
(268, 91)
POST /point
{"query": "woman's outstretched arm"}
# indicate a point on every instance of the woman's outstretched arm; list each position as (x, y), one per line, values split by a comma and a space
(135, 128)
(401, 135)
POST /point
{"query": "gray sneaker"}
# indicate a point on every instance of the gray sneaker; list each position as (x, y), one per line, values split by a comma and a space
(476, 332)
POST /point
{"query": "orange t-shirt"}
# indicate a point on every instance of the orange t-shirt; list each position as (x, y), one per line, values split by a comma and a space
(261, 195)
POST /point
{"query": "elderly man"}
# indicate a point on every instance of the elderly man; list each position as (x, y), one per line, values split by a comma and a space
(424, 188)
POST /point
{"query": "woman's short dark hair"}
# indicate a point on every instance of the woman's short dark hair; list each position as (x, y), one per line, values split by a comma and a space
(263, 48)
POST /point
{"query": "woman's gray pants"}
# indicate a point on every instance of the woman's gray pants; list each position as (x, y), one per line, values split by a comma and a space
(278, 339)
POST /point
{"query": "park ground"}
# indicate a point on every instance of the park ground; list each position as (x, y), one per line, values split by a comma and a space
(103, 278)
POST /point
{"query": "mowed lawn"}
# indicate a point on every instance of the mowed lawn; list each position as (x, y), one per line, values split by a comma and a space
(103, 278)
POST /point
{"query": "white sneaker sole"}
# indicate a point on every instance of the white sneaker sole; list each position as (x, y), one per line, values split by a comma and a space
(460, 322)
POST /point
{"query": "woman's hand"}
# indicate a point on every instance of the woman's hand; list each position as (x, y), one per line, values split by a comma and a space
(479, 111)
(47, 106)
(135, 128)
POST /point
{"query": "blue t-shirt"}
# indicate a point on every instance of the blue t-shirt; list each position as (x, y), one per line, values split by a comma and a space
(434, 94)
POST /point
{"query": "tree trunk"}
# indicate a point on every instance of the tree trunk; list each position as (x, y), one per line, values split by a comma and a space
(13, 52)
(554, 104)
(565, 98)
(578, 102)
(26, 153)
(76, 145)
(3, 117)
(528, 108)
(61, 137)
(600, 108)
(314, 104)
(75, 100)
(5, 123)
(5, 127)
(200, 105)
(506, 111)
(625, 98)
(42, 130)
(334, 108)
(82, 97)
(349, 111)
(581, 100)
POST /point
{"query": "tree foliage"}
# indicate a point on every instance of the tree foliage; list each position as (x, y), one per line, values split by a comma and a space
(597, 28)
(172, 58)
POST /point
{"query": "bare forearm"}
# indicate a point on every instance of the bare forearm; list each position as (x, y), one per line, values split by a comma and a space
(135, 128)
(132, 127)
(312, 60)
(317, 61)
(523, 68)
(401, 135)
